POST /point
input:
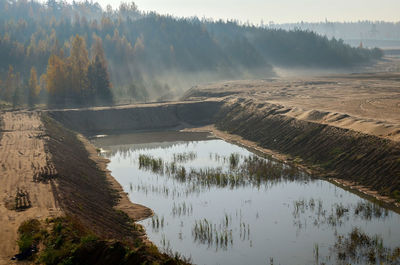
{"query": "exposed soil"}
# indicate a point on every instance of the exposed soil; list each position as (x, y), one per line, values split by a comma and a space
(345, 128)
(107, 120)
(87, 191)
(367, 103)
(135, 211)
(22, 155)
(48, 171)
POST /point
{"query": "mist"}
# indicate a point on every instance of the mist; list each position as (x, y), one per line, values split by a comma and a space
(153, 57)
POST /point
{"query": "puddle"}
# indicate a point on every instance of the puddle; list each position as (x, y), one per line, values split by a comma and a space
(218, 203)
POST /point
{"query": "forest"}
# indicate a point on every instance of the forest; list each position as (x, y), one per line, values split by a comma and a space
(360, 30)
(61, 54)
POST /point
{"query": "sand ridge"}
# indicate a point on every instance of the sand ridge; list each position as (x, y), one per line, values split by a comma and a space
(367, 103)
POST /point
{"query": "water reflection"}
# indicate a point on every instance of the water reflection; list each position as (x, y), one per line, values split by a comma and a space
(220, 204)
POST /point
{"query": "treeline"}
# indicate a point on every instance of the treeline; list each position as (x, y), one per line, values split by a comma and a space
(68, 81)
(148, 56)
(378, 30)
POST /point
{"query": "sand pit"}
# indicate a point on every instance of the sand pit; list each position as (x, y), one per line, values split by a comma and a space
(368, 103)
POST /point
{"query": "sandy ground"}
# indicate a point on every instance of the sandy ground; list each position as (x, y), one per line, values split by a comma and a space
(369, 103)
(22, 154)
(136, 212)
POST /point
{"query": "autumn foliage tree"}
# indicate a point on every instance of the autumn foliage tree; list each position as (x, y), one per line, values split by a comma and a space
(76, 80)
(78, 63)
(33, 88)
(56, 81)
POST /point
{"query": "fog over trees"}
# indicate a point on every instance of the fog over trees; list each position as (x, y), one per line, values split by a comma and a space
(367, 33)
(79, 54)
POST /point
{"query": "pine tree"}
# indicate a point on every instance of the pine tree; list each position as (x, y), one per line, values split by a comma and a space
(99, 82)
(17, 92)
(9, 85)
(1, 88)
(97, 49)
(33, 88)
(78, 62)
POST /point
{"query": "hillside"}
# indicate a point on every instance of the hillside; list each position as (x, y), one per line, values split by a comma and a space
(152, 56)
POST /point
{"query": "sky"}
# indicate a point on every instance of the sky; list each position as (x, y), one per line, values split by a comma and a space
(278, 11)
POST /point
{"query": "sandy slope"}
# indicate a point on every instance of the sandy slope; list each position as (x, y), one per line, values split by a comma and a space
(22, 154)
(135, 211)
(368, 103)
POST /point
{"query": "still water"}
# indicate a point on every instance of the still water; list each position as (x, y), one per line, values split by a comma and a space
(218, 203)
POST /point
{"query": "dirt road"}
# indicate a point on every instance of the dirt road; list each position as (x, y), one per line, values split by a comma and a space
(22, 154)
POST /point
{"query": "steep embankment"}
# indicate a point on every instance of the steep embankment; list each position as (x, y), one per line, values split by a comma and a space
(58, 197)
(137, 117)
(84, 189)
(341, 153)
(94, 203)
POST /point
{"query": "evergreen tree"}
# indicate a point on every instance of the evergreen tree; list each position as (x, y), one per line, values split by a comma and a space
(9, 85)
(1, 88)
(98, 77)
(33, 88)
(78, 63)
(99, 82)
(17, 97)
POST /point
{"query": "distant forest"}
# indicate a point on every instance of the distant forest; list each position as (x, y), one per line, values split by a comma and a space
(79, 54)
(386, 33)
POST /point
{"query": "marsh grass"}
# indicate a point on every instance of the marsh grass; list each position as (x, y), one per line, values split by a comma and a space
(251, 170)
(234, 160)
(182, 209)
(359, 248)
(157, 223)
(150, 163)
(221, 235)
(337, 215)
(212, 235)
(184, 157)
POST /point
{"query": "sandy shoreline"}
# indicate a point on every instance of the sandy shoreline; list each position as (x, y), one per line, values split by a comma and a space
(136, 212)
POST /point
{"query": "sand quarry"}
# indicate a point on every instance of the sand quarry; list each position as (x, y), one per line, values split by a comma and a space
(22, 155)
(367, 103)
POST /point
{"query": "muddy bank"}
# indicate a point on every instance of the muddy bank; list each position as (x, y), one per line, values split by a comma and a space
(95, 202)
(339, 153)
(138, 117)
(85, 188)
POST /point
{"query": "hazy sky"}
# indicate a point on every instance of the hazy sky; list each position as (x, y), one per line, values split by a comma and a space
(275, 10)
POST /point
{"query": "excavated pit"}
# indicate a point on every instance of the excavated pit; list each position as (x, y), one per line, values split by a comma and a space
(329, 151)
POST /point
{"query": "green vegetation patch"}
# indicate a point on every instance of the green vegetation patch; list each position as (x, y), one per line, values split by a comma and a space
(66, 241)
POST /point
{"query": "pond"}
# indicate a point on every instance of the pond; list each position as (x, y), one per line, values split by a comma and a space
(218, 203)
